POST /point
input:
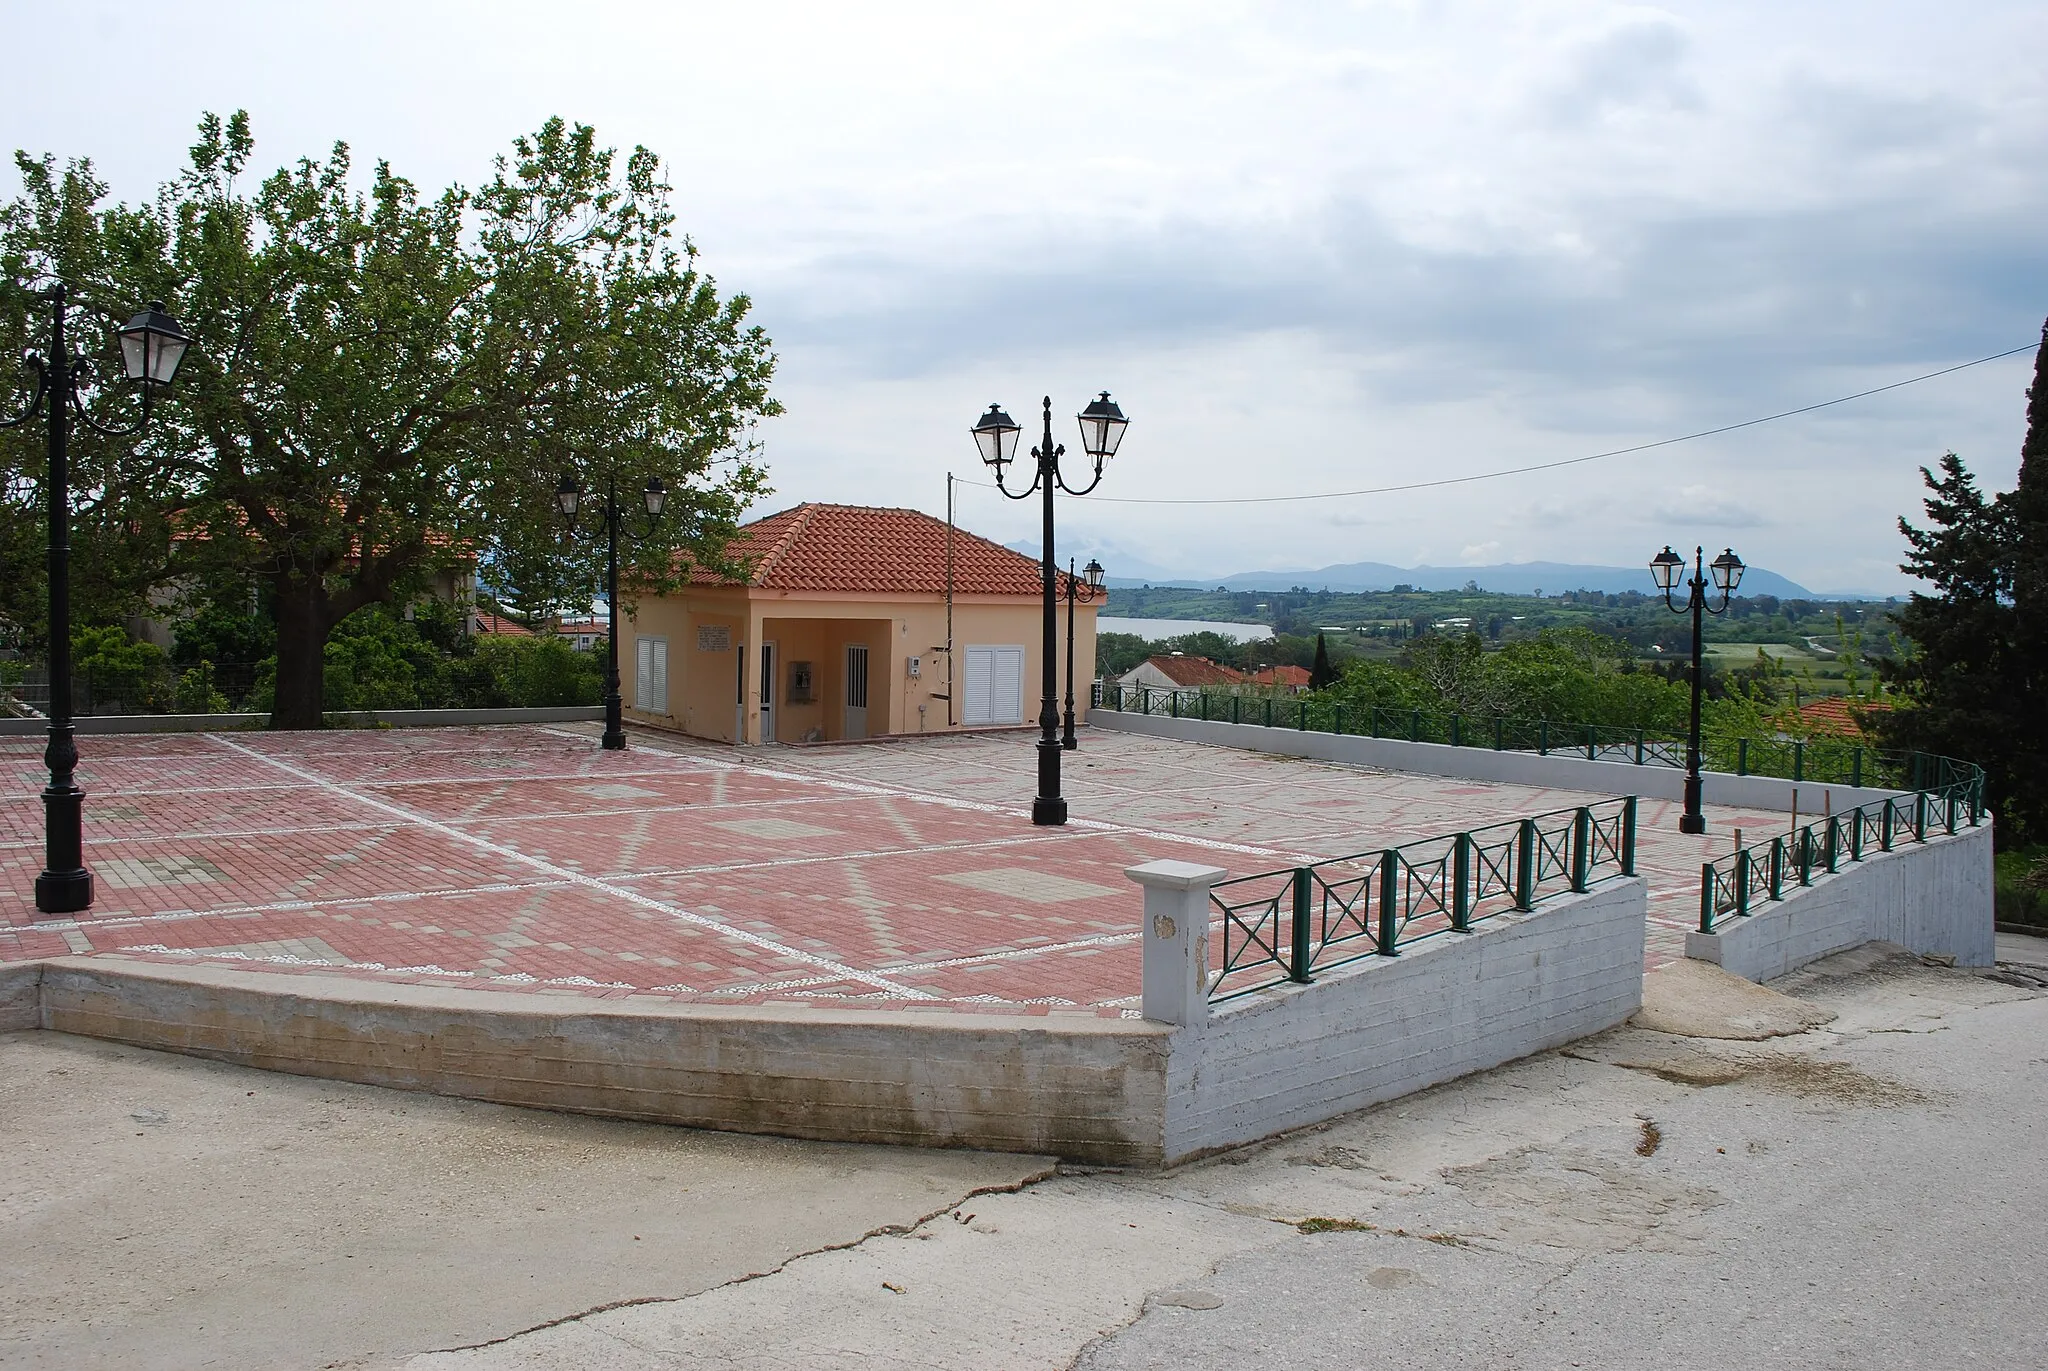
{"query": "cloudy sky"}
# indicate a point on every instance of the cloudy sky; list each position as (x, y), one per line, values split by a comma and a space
(1309, 247)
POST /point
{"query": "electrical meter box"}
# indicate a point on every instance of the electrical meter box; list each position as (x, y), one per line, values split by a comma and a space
(912, 666)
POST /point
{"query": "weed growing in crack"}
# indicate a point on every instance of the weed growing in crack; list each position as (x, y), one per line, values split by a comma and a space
(1652, 1139)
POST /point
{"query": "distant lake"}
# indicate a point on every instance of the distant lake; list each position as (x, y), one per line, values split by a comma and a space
(1155, 629)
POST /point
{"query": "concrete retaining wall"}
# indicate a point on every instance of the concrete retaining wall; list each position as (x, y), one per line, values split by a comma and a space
(1384, 1028)
(1483, 764)
(368, 718)
(1933, 897)
(1090, 1089)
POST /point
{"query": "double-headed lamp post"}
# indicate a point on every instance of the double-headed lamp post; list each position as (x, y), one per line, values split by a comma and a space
(995, 434)
(1667, 566)
(1085, 592)
(568, 498)
(152, 346)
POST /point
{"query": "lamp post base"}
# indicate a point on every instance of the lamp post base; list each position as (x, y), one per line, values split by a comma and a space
(1692, 823)
(64, 892)
(1048, 812)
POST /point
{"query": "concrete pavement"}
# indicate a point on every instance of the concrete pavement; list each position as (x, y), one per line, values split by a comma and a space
(1861, 1194)
(1857, 1195)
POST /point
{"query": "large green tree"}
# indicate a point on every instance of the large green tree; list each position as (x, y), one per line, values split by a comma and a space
(385, 385)
(1975, 684)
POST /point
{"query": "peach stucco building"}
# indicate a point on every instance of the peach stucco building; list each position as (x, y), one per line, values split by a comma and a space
(841, 632)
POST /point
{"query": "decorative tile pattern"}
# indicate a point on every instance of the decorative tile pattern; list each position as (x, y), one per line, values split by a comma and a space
(898, 874)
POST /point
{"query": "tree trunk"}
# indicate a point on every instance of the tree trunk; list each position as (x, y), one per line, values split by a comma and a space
(303, 620)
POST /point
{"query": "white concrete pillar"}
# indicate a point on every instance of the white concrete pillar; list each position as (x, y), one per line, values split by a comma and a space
(1176, 938)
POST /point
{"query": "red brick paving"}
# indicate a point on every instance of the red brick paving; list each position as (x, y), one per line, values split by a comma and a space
(525, 859)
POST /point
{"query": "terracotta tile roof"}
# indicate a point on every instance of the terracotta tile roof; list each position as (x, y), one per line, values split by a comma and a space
(862, 548)
(1195, 671)
(1281, 676)
(487, 622)
(1837, 714)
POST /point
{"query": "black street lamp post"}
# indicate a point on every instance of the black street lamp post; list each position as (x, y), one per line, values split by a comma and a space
(568, 496)
(1093, 571)
(1666, 567)
(995, 434)
(152, 346)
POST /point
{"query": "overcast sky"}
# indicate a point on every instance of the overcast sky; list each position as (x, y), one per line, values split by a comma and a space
(1308, 247)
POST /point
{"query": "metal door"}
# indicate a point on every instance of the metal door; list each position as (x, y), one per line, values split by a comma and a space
(767, 692)
(856, 690)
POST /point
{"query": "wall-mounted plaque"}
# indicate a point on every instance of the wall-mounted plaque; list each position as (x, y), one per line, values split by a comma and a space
(714, 638)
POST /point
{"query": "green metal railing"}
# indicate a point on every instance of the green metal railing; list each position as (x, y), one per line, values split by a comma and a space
(1822, 761)
(1951, 796)
(1281, 927)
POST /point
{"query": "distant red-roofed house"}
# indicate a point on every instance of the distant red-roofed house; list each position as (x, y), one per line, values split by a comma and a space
(1177, 671)
(584, 634)
(840, 631)
(1293, 679)
(483, 621)
(1836, 715)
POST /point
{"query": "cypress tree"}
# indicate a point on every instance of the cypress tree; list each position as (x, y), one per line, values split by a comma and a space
(1975, 685)
(1320, 676)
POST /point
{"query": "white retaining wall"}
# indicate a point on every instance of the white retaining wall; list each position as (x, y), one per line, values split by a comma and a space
(1933, 897)
(1483, 764)
(1383, 1027)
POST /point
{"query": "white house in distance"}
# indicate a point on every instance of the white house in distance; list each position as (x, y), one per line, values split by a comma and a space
(855, 622)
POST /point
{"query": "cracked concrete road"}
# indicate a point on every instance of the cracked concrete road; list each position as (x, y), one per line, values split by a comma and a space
(1861, 1193)
(161, 1211)
(1858, 1194)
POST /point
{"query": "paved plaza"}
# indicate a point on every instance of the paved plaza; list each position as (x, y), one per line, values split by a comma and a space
(901, 873)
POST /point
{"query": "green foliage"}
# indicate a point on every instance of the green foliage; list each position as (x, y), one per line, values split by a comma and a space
(384, 383)
(116, 672)
(1321, 676)
(1972, 687)
(195, 692)
(1565, 675)
(543, 671)
(1116, 653)
(213, 631)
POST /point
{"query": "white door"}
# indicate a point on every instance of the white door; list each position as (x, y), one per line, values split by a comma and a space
(739, 697)
(856, 690)
(650, 677)
(994, 692)
(767, 692)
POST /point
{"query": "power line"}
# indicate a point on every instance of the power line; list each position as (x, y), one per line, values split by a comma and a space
(1540, 466)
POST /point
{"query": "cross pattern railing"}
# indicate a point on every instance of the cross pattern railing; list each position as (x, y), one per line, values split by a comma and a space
(1742, 882)
(1830, 761)
(1285, 926)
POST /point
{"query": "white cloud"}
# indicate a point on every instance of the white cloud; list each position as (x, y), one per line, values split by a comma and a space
(1310, 248)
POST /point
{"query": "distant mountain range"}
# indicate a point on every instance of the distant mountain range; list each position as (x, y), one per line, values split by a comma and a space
(1514, 578)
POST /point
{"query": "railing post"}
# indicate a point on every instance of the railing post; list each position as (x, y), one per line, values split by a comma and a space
(1742, 756)
(1457, 730)
(1706, 897)
(1856, 834)
(1374, 727)
(1303, 721)
(1951, 811)
(1592, 742)
(1525, 866)
(1176, 938)
(1173, 704)
(1805, 854)
(1499, 731)
(1461, 885)
(1337, 719)
(1919, 816)
(1776, 874)
(1415, 726)
(1543, 737)
(1798, 760)
(1829, 844)
(1884, 827)
(1856, 766)
(1237, 709)
(1390, 901)
(1639, 747)
(1299, 955)
(1628, 836)
(1204, 698)
(1582, 839)
(1742, 882)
